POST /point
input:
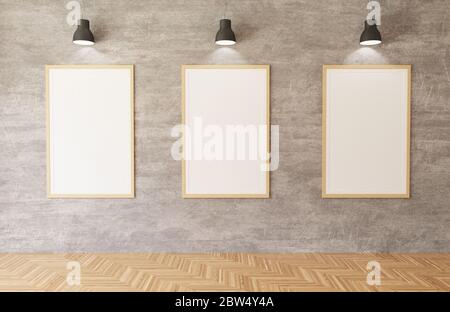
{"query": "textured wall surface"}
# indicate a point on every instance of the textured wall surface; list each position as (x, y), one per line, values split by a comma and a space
(295, 37)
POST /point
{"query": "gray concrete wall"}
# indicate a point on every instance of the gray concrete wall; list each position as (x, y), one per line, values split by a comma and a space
(295, 38)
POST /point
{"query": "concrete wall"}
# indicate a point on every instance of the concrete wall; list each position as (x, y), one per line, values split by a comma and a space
(295, 38)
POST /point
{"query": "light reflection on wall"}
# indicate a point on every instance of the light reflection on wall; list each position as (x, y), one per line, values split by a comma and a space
(91, 54)
(365, 55)
(226, 55)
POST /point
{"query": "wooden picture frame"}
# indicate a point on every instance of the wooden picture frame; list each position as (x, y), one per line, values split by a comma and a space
(366, 122)
(255, 85)
(90, 131)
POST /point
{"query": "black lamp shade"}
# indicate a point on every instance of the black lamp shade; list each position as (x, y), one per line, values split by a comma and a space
(83, 35)
(225, 35)
(370, 35)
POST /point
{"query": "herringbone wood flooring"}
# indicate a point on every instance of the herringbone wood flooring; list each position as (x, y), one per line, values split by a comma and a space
(224, 272)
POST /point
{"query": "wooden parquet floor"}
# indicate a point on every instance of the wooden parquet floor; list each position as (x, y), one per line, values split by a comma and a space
(224, 272)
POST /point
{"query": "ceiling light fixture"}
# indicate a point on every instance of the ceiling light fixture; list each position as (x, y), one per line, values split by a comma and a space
(225, 36)
(83, 35)
(371, 35)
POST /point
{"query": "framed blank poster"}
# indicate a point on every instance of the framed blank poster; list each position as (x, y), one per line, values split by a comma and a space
(226, 118)
(366, 131)
(90, 131)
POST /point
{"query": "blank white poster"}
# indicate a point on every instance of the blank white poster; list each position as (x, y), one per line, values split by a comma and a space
(90, 131)
(366, 131)
(226, 141)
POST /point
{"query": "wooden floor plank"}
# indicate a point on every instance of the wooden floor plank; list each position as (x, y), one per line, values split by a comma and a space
(224, 272)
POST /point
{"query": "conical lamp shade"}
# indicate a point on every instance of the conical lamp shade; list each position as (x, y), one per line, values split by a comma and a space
(225, 35)
(370, 35)
(83, 35)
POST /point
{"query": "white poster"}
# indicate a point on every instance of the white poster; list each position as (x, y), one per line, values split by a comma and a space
(366, 134)
(226, 114)
(90, 131)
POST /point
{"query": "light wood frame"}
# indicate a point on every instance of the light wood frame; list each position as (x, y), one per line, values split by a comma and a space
(324, 137)
(94, 196)
(183, 109)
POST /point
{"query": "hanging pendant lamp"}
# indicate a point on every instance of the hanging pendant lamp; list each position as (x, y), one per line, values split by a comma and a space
(225, 36)
(371, 35)
(83, 35)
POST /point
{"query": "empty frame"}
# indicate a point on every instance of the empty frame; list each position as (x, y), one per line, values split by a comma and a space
(226, 118)
(366, 131)
(90, 131)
